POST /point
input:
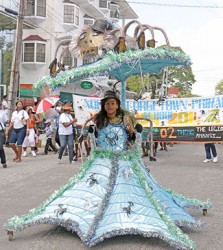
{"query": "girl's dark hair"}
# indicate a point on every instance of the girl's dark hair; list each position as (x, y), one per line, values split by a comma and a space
(91, 129)
(101, 118)
(138, 128)
(18, 102)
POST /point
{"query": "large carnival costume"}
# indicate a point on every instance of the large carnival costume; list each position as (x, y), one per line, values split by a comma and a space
(115, 194)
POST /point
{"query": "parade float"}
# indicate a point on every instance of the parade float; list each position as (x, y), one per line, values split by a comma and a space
(112, 52)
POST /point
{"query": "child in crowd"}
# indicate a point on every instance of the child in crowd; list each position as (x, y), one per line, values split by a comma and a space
(139, 142)
(49, 134)
(91, 139)
(163, 146)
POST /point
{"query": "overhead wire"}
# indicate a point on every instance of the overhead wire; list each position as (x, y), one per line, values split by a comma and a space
(211, 10)
(55, 18)
(43, 29)
(221, 68)
(15, 3)
(177, 5)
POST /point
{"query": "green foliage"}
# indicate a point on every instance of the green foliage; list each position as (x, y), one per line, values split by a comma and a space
(182, 78)
(219, 88)
(135, 83)
(7, 53)
(2, 42)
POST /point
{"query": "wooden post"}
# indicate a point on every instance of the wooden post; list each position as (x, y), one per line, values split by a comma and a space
(14, 77)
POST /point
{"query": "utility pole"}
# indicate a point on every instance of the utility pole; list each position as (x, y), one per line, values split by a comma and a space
(14, 77)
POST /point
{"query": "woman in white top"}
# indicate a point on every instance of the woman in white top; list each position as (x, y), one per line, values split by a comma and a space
(20, 128)
(66, 133)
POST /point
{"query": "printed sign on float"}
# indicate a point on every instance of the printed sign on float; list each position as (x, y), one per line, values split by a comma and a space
(177, 119)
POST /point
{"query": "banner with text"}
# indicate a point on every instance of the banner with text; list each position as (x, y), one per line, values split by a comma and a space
(177, 119)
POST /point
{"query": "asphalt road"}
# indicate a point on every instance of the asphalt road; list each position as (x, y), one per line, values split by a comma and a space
(25, 185)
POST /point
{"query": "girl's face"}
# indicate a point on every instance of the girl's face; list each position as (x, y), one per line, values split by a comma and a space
(111, 106)
(19, 105)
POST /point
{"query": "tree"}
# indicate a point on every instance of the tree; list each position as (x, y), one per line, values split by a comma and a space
(219, 88)
(7, 61)
(2, 42)
(135, 83)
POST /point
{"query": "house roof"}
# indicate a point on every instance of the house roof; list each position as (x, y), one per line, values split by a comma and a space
(67, 1)
(173, 91)
(34, 38)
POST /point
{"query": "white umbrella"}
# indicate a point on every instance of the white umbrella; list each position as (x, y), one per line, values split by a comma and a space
(46, 103)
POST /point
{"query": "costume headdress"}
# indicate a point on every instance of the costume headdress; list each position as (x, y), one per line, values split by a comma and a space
(110, 94)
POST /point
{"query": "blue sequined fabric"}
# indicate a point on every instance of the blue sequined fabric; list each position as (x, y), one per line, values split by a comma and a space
(113, 194)
(113, 137)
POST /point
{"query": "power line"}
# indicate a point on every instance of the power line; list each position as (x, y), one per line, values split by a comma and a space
(178, 5)
(43, 29)
(55, 18)
(221, 68)
(15, 3)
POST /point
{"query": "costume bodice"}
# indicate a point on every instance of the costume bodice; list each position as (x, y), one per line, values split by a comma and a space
(113, 137)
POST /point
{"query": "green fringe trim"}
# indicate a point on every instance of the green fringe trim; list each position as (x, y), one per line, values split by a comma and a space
(16, 220)
(193, 202)
(113, 60)
(173, 229)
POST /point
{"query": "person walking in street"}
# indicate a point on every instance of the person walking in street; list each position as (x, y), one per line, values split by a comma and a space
(3, 120)
(53, 115)
(49, 135)
(5, 104)
(163, 146)
(20, 129)
(210, 149)
(65, 131)
(33, 132)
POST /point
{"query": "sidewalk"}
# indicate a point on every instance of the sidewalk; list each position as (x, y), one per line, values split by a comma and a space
(25, 185)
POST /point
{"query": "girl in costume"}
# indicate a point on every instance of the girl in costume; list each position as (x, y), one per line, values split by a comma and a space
(114, 193)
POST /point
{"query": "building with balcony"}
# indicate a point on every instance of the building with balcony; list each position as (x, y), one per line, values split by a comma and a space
(56, 22)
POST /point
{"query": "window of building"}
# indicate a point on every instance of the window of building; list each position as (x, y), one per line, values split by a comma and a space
(40, 52)
(35, 8)
(30, 8)
(29, 52)
(68, 14)
(103, 4)
(88, 21)
(75, 63)
(88, 60)
(76, 17)
(41, 8)
(67, 59)
(114, 11)
(71, 14)
(34, 52)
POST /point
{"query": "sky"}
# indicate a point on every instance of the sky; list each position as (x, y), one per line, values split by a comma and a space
(197, 30)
